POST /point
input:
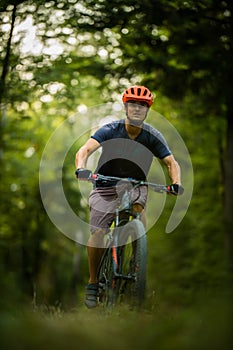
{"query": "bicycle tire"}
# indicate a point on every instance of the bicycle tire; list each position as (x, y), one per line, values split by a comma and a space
(132, 256)
(107, 292)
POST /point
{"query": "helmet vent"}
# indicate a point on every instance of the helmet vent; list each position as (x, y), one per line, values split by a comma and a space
(138, 93)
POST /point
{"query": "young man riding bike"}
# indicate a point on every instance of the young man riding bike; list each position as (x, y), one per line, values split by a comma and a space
(128, 148)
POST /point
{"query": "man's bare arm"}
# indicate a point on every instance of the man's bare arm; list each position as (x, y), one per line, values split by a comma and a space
(173, 169)
(84, 152)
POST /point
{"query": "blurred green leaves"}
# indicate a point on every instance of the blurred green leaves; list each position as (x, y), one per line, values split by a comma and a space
(66, 56)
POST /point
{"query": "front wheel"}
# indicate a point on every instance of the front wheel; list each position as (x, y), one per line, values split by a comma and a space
(132, 255)
(107, 284)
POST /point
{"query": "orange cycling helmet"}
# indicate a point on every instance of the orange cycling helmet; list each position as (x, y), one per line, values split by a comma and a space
(138, 93)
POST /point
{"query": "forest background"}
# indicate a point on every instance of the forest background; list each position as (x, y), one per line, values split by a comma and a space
(60, 59)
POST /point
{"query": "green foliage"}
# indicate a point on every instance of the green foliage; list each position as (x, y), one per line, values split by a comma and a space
(82, 54)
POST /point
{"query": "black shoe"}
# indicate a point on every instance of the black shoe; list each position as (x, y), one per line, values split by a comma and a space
(91, 295)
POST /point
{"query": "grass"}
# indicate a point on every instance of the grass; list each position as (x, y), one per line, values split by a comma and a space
(204, 325)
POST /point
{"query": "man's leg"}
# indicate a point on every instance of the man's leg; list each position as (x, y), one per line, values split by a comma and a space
(95, 250)
(102, 203)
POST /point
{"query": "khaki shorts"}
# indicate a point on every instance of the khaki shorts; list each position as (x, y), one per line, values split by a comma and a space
(104, 201)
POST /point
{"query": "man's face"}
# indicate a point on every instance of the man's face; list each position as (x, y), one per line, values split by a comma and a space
(136, 112)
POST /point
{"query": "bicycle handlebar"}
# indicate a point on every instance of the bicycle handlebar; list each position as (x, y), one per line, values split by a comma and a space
(156, 187)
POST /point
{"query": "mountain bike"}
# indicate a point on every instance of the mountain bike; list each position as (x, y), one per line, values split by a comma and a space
(123, 267)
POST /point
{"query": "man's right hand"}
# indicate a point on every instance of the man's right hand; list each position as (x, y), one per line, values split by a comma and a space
(176, 189)
(83, 174)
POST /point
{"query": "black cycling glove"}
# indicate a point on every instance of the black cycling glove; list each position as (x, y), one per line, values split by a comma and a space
(176, 189)
(82, 174)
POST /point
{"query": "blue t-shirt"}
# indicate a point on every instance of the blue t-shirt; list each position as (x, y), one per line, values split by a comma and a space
(124, 157)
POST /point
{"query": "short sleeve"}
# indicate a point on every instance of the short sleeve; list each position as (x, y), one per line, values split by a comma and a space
(103, 134)
(158, 144)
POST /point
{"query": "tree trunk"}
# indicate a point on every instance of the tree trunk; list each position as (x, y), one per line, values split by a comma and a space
(228, 205)
(6, 61)
(5, 69)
